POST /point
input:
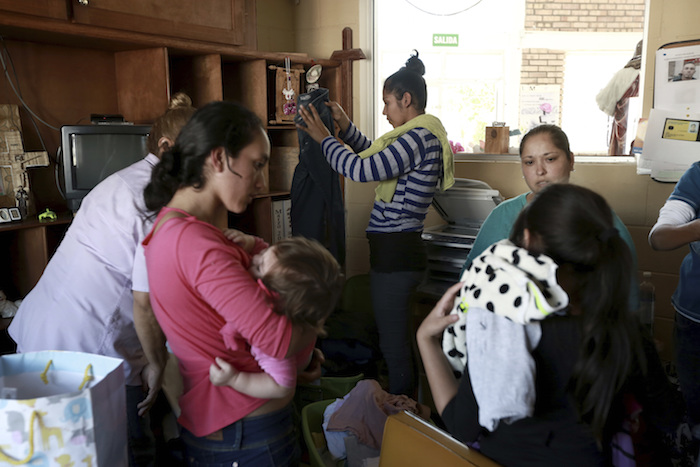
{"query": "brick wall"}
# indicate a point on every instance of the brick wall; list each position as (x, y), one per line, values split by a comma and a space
(542, 66)
(546, 66)
(584, 15)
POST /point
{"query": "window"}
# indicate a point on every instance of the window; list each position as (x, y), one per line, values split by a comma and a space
(479, 54)
(587, 127)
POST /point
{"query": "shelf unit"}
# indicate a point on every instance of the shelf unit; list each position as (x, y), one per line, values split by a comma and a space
(27, 246)
(71, 60)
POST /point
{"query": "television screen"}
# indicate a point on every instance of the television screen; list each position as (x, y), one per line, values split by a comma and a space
(91, 153)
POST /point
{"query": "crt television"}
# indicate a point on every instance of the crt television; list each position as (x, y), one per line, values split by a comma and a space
(91, 153)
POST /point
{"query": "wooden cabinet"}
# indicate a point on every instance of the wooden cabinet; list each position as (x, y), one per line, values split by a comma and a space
(57, 9)
(27, 246)
(230, 22)
(224, 21)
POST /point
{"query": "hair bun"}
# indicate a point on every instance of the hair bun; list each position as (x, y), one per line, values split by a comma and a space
(179, 99)
(415, 64)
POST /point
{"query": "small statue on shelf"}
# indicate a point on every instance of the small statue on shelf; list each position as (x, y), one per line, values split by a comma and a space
(22, 196)
(312, 77)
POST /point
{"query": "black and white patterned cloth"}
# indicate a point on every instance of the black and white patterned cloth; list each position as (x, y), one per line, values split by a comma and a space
(509, 281)
(505, 293)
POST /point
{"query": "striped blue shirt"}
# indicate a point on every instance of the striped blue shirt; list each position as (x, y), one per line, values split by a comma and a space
(415, 158)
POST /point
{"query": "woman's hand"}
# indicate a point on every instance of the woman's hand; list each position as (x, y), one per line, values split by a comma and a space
(152, 382)
(314, 125)
(439, 318)
(441, 379)
(339, 115)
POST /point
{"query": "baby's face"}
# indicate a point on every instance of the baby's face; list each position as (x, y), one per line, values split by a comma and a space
(263, 262)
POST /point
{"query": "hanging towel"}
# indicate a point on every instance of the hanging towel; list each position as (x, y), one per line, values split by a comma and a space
(385, 190)
(608, 97)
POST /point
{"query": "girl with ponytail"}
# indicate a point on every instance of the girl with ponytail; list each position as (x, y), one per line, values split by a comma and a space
(553, 304)
(411, 163)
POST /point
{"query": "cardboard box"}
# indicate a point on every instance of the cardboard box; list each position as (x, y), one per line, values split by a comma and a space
(497, 139)
(410, 441)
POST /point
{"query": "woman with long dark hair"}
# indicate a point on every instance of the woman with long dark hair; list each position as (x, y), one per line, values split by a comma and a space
(203, 296)
(553, 301)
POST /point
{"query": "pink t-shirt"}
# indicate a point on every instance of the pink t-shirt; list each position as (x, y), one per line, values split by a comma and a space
(199, 285)
(284, 370)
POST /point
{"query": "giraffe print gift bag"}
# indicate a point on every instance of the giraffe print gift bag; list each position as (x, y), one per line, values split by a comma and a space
(60, 408)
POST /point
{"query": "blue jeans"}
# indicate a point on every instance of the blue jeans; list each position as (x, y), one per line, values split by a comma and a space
(687, 350)
(391, 295)
(142, 444)
(266, 440)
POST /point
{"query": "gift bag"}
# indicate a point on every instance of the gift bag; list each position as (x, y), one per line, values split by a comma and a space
(61, 408)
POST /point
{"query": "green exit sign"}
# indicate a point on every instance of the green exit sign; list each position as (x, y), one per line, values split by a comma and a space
(445, 40)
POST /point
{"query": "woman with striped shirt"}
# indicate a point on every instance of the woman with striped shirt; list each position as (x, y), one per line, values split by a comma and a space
(411, 162)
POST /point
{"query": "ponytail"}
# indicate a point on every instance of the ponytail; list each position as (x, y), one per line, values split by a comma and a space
(218, 124)
(611, 345)
(164, 182)
(409, 79)
(169, 124)
(574, 226)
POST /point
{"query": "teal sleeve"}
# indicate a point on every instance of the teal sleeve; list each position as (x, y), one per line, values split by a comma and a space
(634, 287)
(496, 227)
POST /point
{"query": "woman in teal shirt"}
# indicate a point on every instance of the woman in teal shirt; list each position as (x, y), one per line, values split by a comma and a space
(545, 158)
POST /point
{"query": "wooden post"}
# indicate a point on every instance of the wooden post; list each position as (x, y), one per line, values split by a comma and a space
(346, 57)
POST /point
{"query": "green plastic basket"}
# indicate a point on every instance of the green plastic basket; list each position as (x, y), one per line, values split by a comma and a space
(330, 387)
(312, 422)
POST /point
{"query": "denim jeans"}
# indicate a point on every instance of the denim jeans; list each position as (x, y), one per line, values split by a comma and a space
(687, 350)
(391, 295)
(142, 445)
(317, 203)
(266, 440)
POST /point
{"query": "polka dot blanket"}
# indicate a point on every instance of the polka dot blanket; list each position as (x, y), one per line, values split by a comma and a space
(509, 281)
(505, 293)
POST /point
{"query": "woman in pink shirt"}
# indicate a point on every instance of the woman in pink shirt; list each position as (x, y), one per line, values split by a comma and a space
(203, 296)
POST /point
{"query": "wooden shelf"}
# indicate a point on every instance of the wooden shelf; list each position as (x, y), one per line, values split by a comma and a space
(28, 245)
(281, 126)
(63, 218)
(272, 194)
(75, 61)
